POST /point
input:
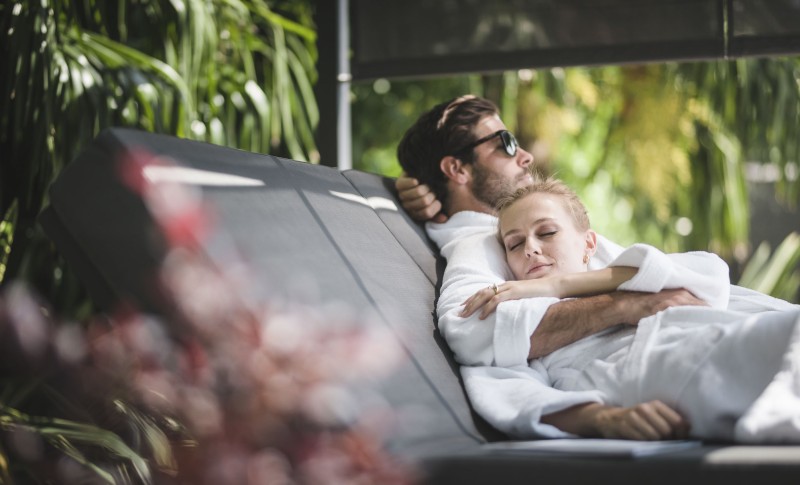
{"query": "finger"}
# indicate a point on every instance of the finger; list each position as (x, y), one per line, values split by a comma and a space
(413, 192)
(489, 307)
(427, 213)
(685, 297)
(420, 202)
(691, 299)
(678, 424)
(669, 414)
(626, 428)
(651, 413)
(640, 422)
(466, 302)
(476, 301)
(469, 307)
(469, 299)
(631, 432)
(404, 182)
(440, 218)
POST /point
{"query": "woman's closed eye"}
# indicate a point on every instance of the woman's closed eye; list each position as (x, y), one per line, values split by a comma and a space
(548, 234)
(513, 245)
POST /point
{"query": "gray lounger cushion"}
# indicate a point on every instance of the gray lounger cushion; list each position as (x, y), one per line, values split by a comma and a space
(345, 232)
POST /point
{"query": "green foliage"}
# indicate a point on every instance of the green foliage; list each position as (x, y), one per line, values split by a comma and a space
(776, 274)
(70, 437)
(230, 72)
(658, 152)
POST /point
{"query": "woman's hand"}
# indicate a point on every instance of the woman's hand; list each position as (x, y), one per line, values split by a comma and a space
(487, 299)
(418, 200)
(651, 421)
(582, 283)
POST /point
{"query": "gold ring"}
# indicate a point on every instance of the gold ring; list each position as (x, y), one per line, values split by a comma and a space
(494, 287)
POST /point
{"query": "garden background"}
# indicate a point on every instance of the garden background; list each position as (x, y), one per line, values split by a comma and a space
(683, 156)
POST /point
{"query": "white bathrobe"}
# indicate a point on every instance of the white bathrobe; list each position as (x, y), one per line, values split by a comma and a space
(475, 260)
(619, 366)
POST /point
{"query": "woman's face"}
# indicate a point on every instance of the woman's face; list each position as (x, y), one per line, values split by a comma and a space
(541, 239)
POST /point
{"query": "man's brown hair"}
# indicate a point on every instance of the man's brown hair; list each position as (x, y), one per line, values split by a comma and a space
(443, 130)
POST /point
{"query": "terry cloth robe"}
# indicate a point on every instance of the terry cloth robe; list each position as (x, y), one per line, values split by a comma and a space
(711, 364)
(615, 368)
(508, 393)
(475, 260)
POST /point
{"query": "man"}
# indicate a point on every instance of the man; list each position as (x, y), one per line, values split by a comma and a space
(466, 160)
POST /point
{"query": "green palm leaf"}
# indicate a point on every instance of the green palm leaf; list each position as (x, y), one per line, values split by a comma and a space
(68, 436)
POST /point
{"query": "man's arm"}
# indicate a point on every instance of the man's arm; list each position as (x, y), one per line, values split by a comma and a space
(568, 321)
(520, 401)
(652, 420)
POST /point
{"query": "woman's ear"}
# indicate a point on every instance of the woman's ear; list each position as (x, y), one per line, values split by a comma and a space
(591, 243)
(455, 170)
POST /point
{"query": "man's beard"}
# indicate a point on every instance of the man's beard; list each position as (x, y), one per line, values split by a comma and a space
(489, 187)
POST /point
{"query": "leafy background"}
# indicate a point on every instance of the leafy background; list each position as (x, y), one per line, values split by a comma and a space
(660, 153)
(679, 155)
(234, 72)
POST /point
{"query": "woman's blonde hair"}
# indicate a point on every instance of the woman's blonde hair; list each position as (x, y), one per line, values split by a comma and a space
(553, 186)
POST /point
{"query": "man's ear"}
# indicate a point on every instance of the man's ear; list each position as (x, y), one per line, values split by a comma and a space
(454, 169)
(591, 242)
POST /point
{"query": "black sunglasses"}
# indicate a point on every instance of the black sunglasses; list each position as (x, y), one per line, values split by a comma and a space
(509, 142)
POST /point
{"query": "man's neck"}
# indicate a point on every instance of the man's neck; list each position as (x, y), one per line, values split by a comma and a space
(468, 204)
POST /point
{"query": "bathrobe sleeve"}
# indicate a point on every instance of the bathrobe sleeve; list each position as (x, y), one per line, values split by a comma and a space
(511, 395)
(475, 260)
(514, 399)
(750, 301)
(704, 274)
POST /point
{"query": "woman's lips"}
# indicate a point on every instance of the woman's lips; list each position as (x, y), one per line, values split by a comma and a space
(538, 268)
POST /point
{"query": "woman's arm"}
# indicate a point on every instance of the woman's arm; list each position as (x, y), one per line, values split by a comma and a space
(704, 274)
(559, 286)
(652, 420)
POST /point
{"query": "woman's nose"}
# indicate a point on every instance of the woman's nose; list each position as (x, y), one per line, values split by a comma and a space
(531, 249)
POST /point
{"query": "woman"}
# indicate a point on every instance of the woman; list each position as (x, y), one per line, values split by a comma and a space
(731, 374)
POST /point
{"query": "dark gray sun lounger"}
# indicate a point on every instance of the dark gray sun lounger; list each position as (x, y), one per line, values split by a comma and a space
(341, 236)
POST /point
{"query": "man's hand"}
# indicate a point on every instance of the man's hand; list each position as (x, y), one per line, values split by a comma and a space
(634, 306)
(418, 200)
(652, 420)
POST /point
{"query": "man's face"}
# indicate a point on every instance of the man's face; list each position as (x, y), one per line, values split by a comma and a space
(495, 174)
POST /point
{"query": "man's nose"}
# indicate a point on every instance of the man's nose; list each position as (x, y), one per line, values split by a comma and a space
(524, 157)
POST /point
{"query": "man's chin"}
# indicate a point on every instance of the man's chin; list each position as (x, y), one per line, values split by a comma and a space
(524, 180)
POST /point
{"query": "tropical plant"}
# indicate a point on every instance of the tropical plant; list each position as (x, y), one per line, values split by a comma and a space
(658, 151)
(659, 145)
(775, 273)
(231, 72)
